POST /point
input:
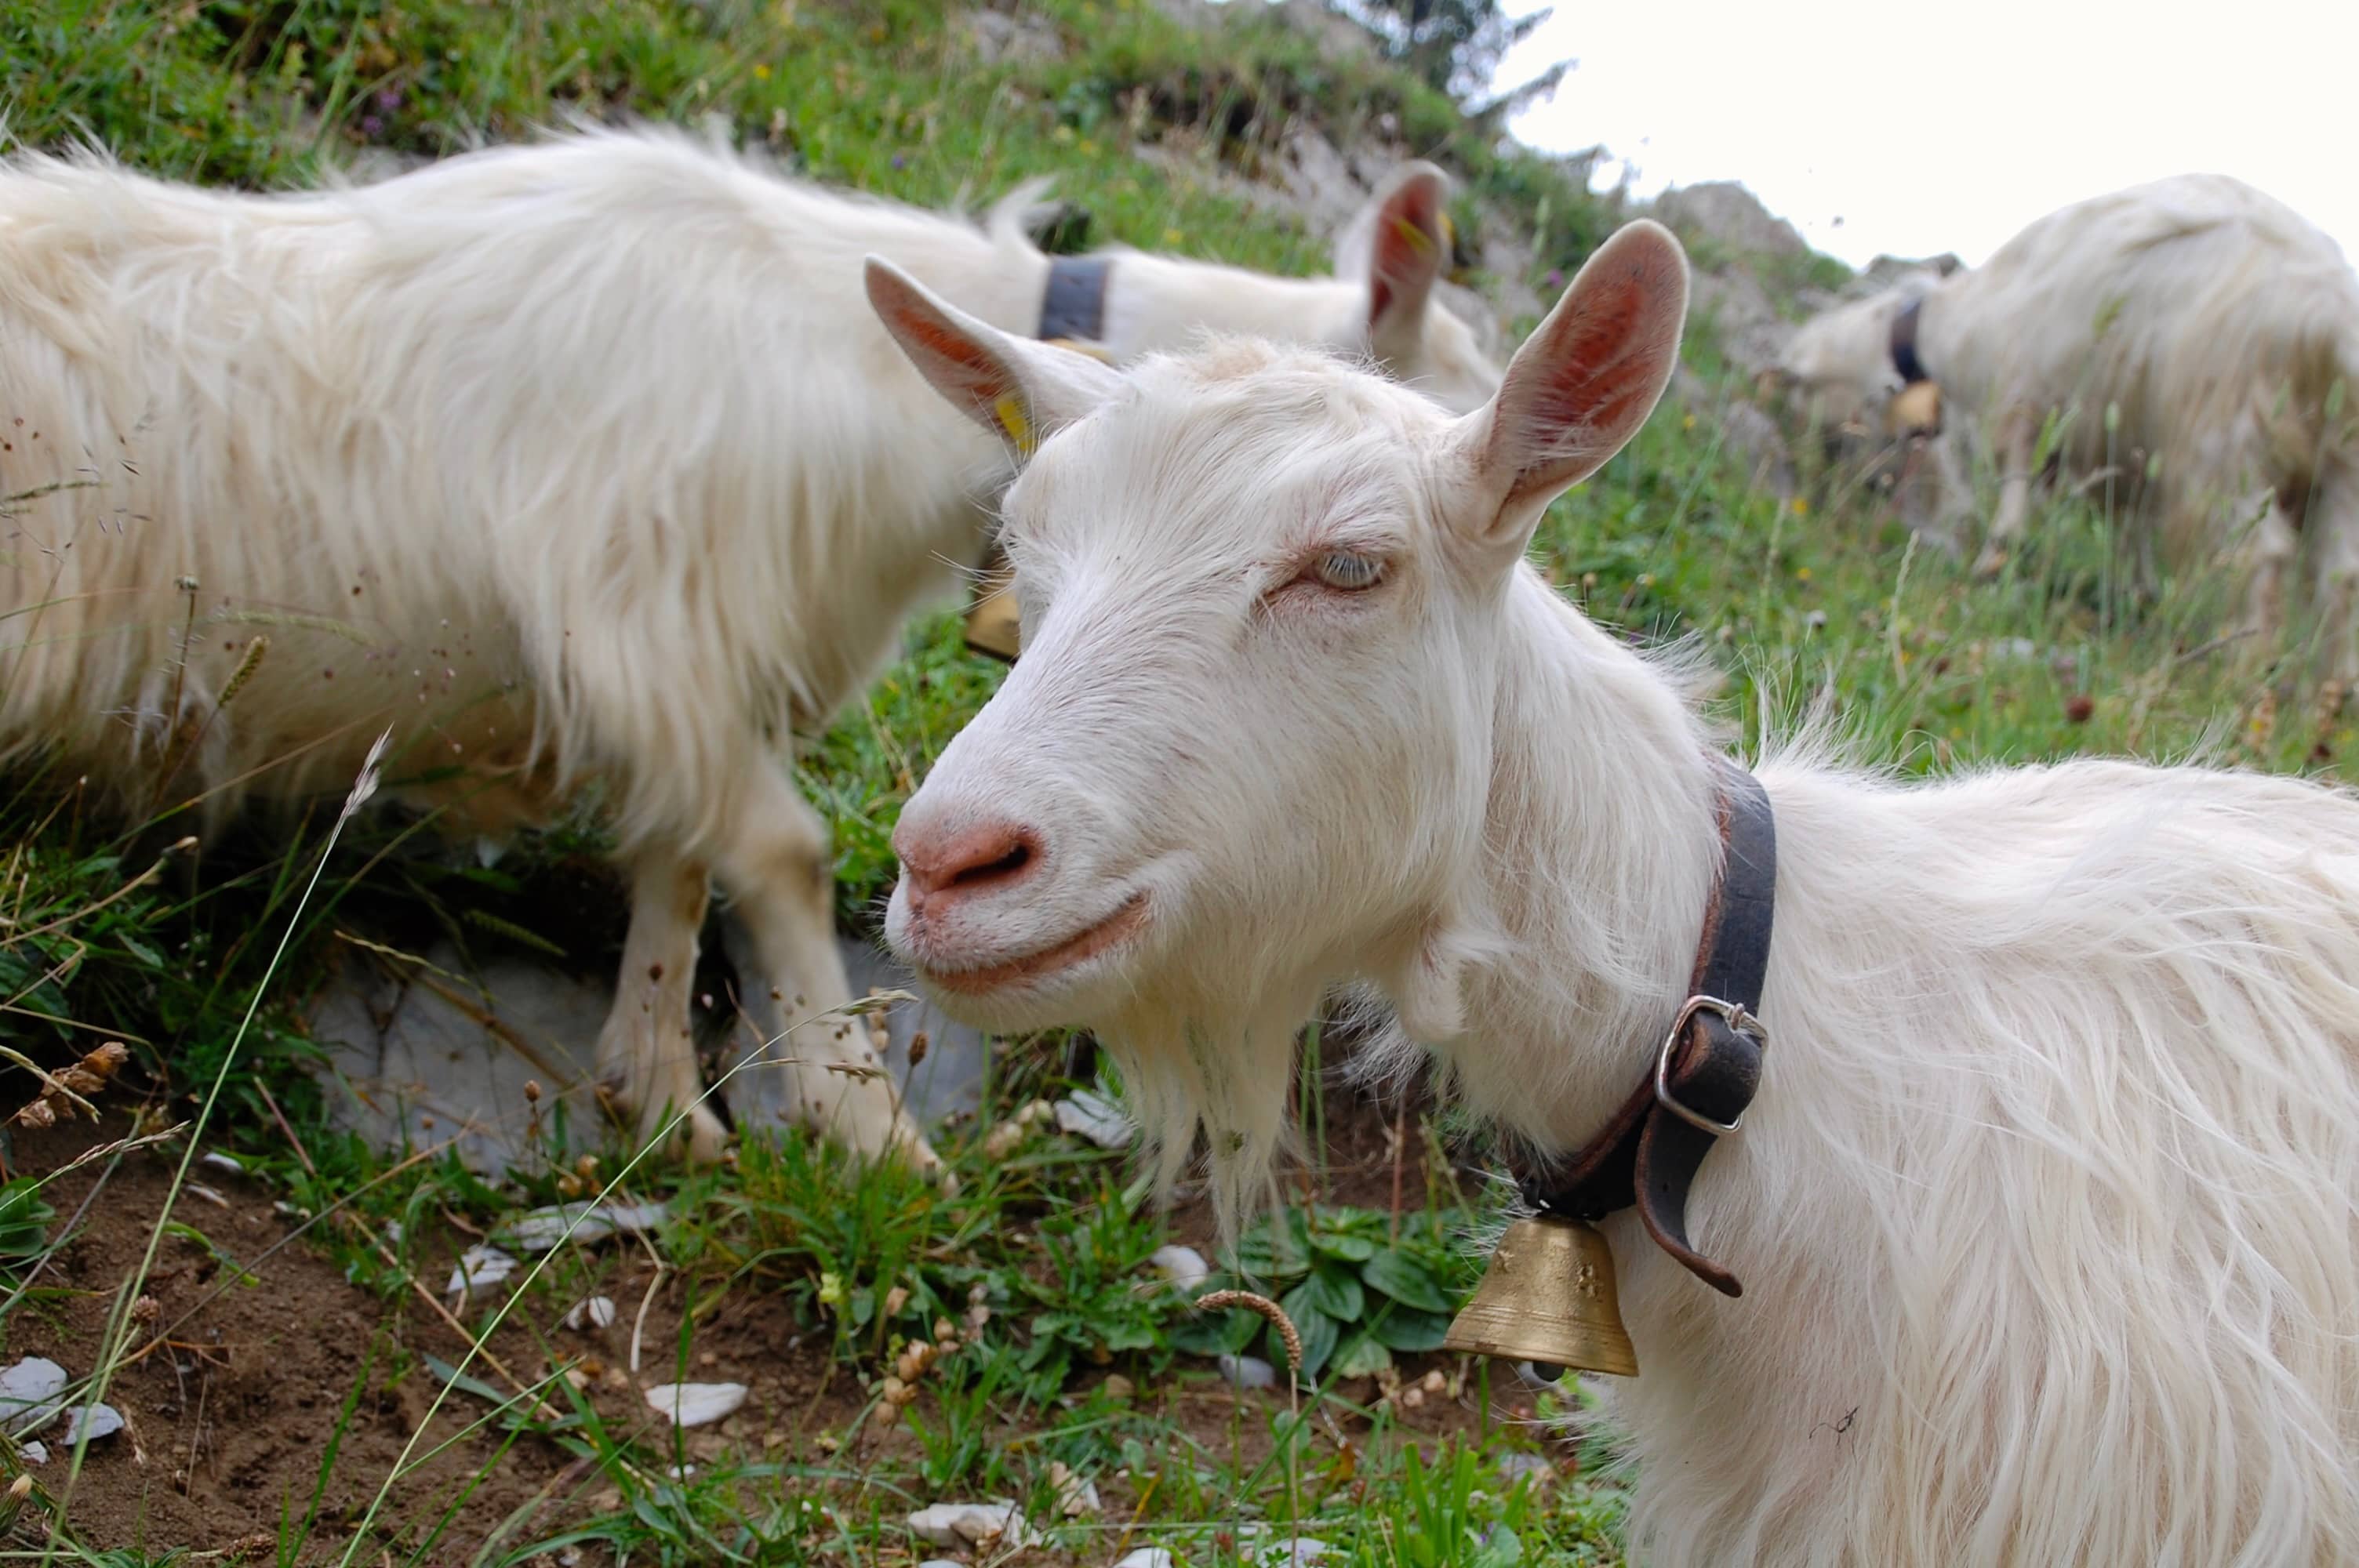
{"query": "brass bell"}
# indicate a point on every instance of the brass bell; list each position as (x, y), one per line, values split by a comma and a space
(992, 627)
(1547, 1297)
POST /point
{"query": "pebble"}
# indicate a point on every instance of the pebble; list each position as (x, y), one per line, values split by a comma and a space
(1184, 1266)
(1145, 1557)
(1248, 1371)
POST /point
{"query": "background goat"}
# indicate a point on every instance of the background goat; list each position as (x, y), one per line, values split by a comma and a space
(571, 461)
(2190, 333)
(2048, 1212)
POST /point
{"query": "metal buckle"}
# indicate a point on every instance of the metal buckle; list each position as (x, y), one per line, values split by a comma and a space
(1737, 1019)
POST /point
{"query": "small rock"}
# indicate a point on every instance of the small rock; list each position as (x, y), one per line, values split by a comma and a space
(98, 1420)
(479, 1268)
(1184, 1266)
(1147, 1557)
(28, 1395)
(1076, 1495)
(1294, 1553)
(598, 1311)
(1515, 1466)
(33, 1452)
(221, 1162)
(941, 1562)
(994, 1523)
(1248, 1371)
(1117, 1387)
(1095, 1117)
(581, 1223)
(696, 1404)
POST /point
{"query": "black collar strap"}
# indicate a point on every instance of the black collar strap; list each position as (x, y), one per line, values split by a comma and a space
(1074, 304)
(1903, 344)
(1706, 1070)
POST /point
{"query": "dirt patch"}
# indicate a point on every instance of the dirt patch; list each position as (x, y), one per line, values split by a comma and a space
(242, 1373)
(229, 1415)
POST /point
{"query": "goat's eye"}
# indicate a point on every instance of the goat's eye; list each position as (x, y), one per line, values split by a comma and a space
(1346, 572)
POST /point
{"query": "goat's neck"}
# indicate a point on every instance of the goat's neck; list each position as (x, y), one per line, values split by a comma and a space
(1601, 846)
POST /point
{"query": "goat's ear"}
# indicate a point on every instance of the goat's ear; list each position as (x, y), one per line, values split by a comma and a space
(1022, 392)
(1401, 240)
(1581, 386)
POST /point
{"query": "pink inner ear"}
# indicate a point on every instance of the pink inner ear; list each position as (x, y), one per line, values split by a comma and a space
(976, 370)
(1407, 244)
(1602, 367)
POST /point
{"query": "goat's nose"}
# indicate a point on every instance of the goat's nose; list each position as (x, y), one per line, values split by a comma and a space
(985, 857)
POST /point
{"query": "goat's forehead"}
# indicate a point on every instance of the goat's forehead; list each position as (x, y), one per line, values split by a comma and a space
(1199, 462)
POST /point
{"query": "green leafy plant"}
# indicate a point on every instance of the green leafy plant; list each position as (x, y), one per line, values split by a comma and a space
(1359, 1284)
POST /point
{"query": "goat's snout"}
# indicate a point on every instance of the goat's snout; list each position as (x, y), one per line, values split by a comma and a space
(942, 865)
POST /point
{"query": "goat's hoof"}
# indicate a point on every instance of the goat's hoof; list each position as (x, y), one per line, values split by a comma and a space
(1992, 562)
(699, 1137)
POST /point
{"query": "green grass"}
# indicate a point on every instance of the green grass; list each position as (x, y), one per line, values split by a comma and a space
(1040, 1256)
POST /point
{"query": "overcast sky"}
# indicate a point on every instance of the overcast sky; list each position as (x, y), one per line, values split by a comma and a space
(1918, 128)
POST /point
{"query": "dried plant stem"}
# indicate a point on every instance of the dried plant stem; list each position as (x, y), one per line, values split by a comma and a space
(1291, 1337)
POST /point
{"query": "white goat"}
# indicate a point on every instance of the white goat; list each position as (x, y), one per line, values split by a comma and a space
(2191, 332)
(580, 461)
(2048, 1211)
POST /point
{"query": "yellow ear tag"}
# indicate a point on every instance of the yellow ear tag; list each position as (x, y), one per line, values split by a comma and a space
(1412, 234)
(1012, 420)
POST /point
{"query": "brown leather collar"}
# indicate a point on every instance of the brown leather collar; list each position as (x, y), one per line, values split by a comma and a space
(1709, 1065)
(1903, 344)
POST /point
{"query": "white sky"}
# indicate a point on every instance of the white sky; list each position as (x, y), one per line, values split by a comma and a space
(1932, 126)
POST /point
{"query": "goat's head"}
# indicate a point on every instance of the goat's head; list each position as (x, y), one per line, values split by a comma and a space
(1836, 372)
(1248, 747)
(1399, 247)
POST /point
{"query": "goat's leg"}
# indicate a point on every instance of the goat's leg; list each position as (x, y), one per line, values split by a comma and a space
(2260, 560)
(2334, 594)
(780, 879)
(2018, 433)
(646, 1055)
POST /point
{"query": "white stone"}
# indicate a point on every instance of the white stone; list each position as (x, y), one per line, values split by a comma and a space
(1248, 1371)
(28, 1395)
(1184, 1266)
(99, 1420)
(581, 1223)
(994, 1523)
(1147, 1557)
(479, 1268)
(696, 1404)
(1095, 1117)
(598, 1311)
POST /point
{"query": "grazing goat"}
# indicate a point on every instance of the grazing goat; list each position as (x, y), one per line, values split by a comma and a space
(2190, 334)
(575, 462)
(2048, 1210)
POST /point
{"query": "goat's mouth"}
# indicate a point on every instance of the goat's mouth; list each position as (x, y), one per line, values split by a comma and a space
(1089, 942)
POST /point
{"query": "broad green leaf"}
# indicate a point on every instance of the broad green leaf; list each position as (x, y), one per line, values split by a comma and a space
(1215, 1334)
(1334, 1291)
(1349, 1246)
(1318, 1336)
(1405, 1280)
(1409, 1331)
(1363, 1357)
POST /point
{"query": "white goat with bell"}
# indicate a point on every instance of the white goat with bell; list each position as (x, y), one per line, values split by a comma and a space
(2047, 1211)
(575, 462)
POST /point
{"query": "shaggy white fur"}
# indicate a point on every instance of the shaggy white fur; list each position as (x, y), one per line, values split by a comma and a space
(2192, 333)
(578, 461)
(2048, 1212)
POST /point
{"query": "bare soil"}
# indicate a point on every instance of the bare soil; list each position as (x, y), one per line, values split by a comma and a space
(238, 1387)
